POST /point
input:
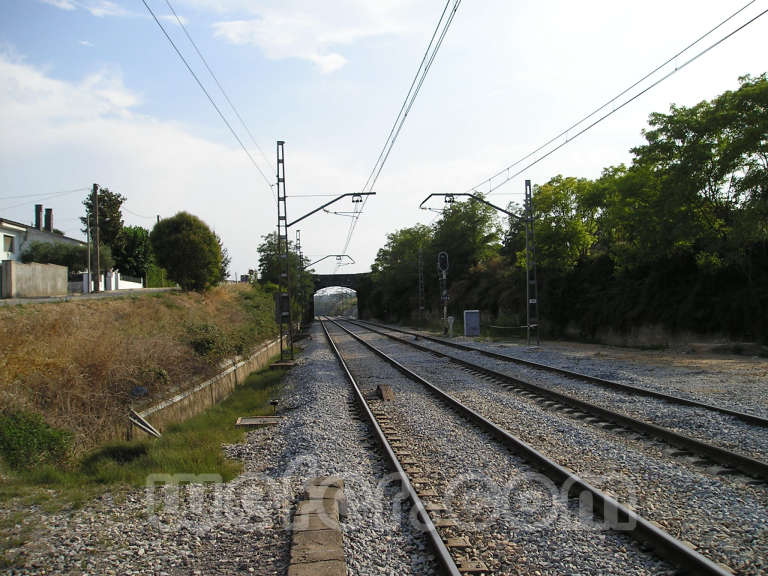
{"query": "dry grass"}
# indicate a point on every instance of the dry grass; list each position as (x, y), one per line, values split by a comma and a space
(77, 363)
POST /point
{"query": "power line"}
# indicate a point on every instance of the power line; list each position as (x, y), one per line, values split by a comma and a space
(138, 215)
(46, 196)
(210, 99)
(441, 29)
(506, 171)
(224, 93)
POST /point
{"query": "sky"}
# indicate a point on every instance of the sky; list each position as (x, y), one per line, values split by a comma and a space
(91, 91)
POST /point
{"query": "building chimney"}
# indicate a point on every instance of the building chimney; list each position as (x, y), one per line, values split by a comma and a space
(49, 219)
(39, 216)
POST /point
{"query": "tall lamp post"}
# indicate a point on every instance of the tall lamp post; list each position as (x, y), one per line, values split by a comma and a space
(531, 306)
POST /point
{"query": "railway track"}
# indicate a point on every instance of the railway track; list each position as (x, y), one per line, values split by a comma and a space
(753, 419)
(449, 423)
(599, 415)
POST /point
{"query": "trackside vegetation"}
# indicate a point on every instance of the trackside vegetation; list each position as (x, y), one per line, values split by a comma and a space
(677, 239)
(79, 366)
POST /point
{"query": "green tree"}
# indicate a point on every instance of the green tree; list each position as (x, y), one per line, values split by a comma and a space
(299, 278)
(395, 272)
(110, 216)
(187, 248)
(132, 251)
(565, 226)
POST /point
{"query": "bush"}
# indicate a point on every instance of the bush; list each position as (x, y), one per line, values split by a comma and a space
(188, 250)
(26, 440)
(209, 341)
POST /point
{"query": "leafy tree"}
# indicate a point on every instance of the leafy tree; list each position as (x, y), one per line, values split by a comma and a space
(564, 226)
(110, 216)
(132, 251)
(299, 277)
(395, 272)
(469, 232)
(187, 248)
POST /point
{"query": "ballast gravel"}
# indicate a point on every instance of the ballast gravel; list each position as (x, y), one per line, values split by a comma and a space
(241, 527)
(725, 517)
(511, 514)
(703, 424)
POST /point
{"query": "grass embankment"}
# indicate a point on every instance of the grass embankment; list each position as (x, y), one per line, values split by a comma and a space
(191, 447)
(83, 364)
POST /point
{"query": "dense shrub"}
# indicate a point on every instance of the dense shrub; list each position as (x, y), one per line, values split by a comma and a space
(26, 439)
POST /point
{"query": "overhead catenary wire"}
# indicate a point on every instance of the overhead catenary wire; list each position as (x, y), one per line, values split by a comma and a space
(221, 88)
(210, 98)
(441, 29)
(489, 182)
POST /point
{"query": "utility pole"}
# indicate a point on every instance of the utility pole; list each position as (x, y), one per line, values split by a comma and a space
(442, 269)
(531, 295)
(98, 261)
(421, 288)
(284, 292)
(299, 270)
(88, 237)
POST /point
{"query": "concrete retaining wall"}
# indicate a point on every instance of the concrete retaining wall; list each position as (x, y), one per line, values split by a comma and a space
(32, 280)
(205, 394)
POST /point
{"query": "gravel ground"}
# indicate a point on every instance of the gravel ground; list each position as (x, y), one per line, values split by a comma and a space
(240, 527)
(731, 381)
(720, 429)
(507, 510)
(725, 517)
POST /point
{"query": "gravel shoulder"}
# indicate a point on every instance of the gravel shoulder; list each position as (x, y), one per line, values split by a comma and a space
(241, 527)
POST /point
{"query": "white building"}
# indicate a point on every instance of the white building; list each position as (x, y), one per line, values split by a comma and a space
(16, 237)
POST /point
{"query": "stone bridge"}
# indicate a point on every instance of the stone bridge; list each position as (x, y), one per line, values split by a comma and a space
(351, 281)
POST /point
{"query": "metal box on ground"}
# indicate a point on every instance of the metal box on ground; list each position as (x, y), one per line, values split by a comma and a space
(471, 322)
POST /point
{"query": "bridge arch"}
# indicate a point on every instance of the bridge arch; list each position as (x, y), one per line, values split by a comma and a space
(352, 281)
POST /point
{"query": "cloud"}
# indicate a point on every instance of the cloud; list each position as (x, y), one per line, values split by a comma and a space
(86, 43)
(172, 19)
(105, 8)
(313, 31)
(62, 4)
(98, 8)
(57, 132)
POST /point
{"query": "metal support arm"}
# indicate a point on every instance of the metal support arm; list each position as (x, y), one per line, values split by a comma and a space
(337, 256)
(329, 203)
(473, 197)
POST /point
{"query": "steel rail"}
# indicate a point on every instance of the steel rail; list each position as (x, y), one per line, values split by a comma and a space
(441, 551)
(604, 507)
(745, 416)
(750, 466)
